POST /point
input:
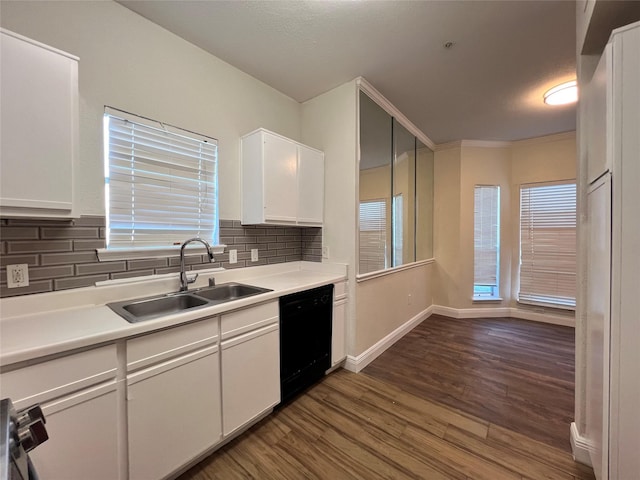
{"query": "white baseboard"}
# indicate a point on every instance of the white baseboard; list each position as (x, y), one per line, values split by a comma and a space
(523, 314)
(357, 363)
(579, 446)
(472, 312)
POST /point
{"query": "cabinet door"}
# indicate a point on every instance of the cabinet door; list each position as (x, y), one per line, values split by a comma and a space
(174, 413)
(250, 376)
(83, 437)
(310, 186)
(280, 180)
(39, 128)
(338, 333)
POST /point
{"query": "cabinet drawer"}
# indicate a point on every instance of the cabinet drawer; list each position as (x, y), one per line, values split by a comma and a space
(160, 346)
(48, 380)
(242, 321)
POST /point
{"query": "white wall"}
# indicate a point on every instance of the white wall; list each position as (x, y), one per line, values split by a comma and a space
(129, 63)
(329, 124)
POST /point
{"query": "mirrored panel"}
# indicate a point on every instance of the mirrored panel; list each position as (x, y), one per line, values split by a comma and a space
(424, 201)
(403, 195)
(375, 186)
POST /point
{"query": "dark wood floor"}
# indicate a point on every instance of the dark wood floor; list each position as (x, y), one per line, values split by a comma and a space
(513, 373)
(367, 426)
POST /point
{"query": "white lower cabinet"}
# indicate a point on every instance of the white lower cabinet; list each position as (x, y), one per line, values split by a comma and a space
(250, 365)
(339, 324)
(83, 433)
(173, 407)
(78, 396)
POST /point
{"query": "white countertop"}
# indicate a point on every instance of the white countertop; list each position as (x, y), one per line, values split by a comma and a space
(38, 325)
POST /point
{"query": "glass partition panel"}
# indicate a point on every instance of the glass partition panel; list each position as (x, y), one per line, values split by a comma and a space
(424, 202)
(404, 171)
(375, 235)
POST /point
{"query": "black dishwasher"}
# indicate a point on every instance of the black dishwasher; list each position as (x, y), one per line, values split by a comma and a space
(305, 339)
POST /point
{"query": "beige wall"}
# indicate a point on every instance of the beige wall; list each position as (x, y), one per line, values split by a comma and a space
(458, 168)
(386, 303)
(446, 230)
(129, 63)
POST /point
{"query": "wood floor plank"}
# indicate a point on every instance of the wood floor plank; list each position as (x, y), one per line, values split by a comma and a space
(514, 373)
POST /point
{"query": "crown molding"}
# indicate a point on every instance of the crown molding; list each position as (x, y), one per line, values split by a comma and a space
(556, 137)
(391, 109)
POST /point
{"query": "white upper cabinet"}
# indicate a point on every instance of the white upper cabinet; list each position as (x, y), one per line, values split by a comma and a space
(38, 127)
(282, 181)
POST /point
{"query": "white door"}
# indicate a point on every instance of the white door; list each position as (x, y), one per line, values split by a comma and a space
(83, 436)
(310, 186)
(250, 376)
(598, 323)
(174, 413)
(280, 180)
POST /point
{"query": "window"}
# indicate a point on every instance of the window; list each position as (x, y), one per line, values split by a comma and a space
(486, 242)
(161, 184)
(373, 235)
(397, 222)
(548, 245)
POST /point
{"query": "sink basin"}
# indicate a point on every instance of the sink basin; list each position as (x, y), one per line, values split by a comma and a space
(157, 306)
(138, 310)
(229, 291)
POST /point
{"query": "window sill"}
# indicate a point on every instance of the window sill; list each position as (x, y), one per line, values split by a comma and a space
(388, 271)
(105, 254)
(486, 299)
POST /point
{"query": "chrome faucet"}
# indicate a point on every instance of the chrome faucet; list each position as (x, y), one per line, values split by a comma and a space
(184, 279)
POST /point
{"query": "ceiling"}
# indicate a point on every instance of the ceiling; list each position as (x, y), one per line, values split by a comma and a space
(487, 86)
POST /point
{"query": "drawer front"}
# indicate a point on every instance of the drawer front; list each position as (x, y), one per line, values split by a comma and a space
(242, 321)
(157, 347)
(48, 380)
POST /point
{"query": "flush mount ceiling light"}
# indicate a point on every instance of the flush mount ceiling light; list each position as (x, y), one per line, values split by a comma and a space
(562, 94)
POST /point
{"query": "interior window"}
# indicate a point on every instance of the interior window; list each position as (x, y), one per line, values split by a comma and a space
(373, 235)
(486, 242)
(161, 183)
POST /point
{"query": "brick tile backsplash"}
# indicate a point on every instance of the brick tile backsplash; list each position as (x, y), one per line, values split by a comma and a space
(61, 253)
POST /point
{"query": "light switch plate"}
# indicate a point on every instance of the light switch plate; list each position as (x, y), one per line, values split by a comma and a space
(17, 275)
(233, 256)
(254, 254)
(325, 251)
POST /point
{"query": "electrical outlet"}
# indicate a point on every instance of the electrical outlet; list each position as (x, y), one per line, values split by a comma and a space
(17, 275)
(233, 256)
(409, 300)
(325, 251)
(254, 254)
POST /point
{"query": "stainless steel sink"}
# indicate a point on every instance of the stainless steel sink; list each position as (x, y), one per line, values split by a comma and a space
(148, 308)
(229, 291)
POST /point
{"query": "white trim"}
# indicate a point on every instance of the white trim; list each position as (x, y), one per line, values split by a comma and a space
(471, 312)
(580, 446)
(357, 363)
(105, 254)
(39, 44)
(543, 317)
(486, 143)
(391, 109)
(557, 137)
(388, 271)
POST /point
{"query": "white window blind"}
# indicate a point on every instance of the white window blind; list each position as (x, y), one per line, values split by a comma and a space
(160, 181)
(548, 245)
(373, 235)
(486, 240)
